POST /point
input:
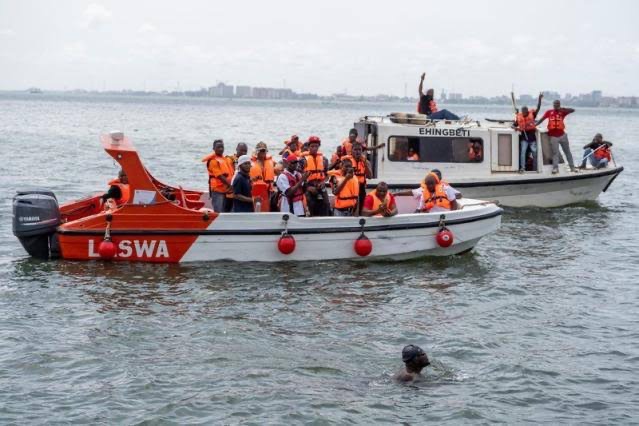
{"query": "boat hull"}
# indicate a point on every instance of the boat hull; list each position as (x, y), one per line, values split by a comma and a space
(254, 238)
(544, 192)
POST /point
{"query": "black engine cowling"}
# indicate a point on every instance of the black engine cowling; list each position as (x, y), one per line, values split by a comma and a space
(36, 216)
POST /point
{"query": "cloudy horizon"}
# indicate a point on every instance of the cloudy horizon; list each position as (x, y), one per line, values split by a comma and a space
(360, 47)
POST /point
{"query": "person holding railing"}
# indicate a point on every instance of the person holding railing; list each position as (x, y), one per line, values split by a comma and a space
(597, 152)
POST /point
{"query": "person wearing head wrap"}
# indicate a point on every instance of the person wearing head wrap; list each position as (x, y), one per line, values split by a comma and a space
(415, 360)
(242, 188)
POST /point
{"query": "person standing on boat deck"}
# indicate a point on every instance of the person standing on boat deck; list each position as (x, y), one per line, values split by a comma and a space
(557, 135)
(263, 167)
(428, 106)
(119, 190)
(220, 175)
(380, 202)
(346, 189)
(242, 196)
(240, 149)
(415, 360)
(434, 196)
(316, 166)
(363, 171)
(525, 124)
(597, 152)
(290, 183)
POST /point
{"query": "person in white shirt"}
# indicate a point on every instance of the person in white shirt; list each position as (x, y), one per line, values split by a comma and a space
(290, 183)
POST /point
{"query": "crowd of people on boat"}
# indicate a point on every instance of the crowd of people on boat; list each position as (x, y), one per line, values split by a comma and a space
(596, 152)
(300, 183)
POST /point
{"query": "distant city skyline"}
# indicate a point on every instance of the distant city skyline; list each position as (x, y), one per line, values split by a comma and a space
(594, 98)
(322, 47)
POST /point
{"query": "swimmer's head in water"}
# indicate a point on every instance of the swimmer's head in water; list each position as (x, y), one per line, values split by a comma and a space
(412, 353)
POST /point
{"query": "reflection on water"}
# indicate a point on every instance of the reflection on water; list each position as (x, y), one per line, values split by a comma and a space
(537, 324)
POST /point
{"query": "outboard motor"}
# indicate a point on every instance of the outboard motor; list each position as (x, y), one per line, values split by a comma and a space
(36, 216)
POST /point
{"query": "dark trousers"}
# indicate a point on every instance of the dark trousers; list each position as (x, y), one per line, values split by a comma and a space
(361, 198)
(228, 205)
(318, 204)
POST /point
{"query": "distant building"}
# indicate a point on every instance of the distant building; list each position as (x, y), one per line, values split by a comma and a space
(596, 96)
(221, 91)
(551, 96)
(243, 91)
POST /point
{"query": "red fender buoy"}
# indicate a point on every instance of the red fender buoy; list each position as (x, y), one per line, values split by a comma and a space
(286, 244)
(363, 246)
(106, 250)
(444, 237)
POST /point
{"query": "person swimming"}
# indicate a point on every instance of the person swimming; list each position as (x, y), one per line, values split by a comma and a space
(415, 360)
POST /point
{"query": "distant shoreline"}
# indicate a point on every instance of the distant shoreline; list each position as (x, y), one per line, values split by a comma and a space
(75, 94)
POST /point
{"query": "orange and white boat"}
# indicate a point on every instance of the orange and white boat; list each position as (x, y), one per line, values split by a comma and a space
(152, 228)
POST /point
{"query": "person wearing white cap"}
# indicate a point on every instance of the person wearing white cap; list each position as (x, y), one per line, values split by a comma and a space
(242, 197)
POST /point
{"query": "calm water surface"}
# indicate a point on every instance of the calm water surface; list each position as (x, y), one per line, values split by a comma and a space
(540, 323)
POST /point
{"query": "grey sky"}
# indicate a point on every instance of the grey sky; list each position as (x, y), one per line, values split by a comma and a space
(325, 46)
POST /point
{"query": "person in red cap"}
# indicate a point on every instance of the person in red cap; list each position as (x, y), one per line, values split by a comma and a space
(291, 185)
(316, 166)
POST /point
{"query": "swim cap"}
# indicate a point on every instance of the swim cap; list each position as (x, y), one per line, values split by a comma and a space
(411, 351)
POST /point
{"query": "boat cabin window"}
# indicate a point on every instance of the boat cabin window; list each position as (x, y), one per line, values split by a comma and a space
(435, 149)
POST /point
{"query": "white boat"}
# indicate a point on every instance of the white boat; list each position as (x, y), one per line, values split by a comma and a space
(150, 227)
(444, 145)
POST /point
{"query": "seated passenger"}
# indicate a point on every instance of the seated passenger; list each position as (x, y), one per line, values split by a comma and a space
(380, 202)
(428, 106)
(597, 152)
(447, 186)
(346, 190)
(434, 196)
(291, 185)
(475, 151)
(119, 190)
(412, 155)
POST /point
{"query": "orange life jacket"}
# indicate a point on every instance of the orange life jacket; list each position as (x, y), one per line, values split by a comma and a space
(125, 191)
(438, 199)
(603, 152)
(377, 202)
(526, 123)
(348, 146)
(556, 121)
(347, 197)
(315, 167)
(359, 166)
(266, 173)
(215, 183)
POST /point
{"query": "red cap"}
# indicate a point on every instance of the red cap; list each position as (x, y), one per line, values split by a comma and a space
(314, 139)
(291, 158)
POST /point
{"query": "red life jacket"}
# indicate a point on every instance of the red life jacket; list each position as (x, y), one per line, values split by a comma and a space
(556, 121)
(298, 195)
